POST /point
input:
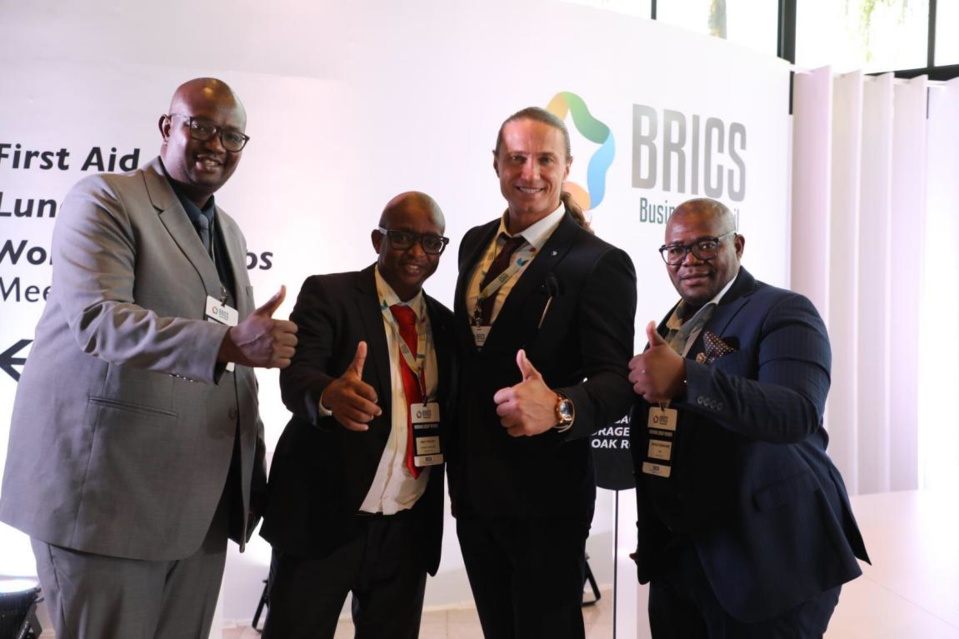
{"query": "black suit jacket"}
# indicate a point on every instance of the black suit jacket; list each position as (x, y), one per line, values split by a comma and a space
(751, 486)
(586, 334)
(321, 471)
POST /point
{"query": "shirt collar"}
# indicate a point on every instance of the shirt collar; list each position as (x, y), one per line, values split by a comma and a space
(678, 317)
(538, 232)
(389, 297)
(192, 210)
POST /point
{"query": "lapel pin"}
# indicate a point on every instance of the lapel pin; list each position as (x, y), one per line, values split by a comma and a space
(553, 254)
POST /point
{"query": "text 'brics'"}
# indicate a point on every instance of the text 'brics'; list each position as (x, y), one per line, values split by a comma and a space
(692, 154)
(14, 156)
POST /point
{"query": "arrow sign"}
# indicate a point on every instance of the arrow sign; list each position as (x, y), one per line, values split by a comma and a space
(8, 361)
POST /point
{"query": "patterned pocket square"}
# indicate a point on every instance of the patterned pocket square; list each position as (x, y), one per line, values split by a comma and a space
(714, 348)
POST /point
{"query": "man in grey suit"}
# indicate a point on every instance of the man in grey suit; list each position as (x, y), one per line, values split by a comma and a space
(135, 444)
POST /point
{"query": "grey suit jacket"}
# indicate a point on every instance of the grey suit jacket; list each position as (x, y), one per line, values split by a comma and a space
(123, 424)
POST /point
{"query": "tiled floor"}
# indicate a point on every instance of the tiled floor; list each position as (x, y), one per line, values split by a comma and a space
(462, 623)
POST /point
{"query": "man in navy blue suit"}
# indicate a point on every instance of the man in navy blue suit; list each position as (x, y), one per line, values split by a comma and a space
(744, 524)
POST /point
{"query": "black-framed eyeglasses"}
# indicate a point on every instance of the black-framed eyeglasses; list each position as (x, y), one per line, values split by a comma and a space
(203, 130)
(404, 240)
(704, 249)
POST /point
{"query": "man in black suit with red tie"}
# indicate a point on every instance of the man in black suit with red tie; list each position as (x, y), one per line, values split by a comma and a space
(544, 328)
(356, 484)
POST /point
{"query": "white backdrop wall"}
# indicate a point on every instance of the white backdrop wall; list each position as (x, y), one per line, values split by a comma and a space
(351, 103)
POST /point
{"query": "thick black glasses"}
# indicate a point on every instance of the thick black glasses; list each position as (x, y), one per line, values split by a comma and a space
(704, 249)
(203, 130)
(404, 240)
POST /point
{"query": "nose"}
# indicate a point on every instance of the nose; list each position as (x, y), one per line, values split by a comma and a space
(215, 143)
(530, 170)
(416, 249)
(691, 259)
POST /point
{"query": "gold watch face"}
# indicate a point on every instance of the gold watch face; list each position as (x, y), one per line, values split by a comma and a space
(566, 410)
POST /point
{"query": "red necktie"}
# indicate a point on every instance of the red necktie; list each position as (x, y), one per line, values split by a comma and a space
(406, 320)
(496, 267)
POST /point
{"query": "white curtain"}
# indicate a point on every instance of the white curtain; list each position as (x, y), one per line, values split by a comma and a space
(875, 201)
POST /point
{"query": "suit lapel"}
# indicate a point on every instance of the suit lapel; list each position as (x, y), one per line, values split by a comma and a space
(735, 299)
(546, 261)
(470, 255)
(377, 366)
(178, 225)
(236, 258)
(442, 345)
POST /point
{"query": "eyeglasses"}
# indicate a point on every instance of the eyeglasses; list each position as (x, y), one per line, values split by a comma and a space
(704, 249)
(203, 130)
(404, 240)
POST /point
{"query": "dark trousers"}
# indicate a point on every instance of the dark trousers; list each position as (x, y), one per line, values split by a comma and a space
(527, 575)
(380, 566)
(682, 605)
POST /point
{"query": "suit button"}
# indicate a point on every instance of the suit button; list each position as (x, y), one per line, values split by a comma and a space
(233, 413)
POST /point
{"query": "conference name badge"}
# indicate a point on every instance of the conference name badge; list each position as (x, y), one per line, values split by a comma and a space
(662, 418)
(221, 313)
(661, 426)
(659, 470)
(479, 335)
(425, 418)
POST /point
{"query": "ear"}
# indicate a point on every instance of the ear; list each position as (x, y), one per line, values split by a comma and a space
(164, 126)
(740, 243)
(495, 164)
(377, 238)
(569, 163)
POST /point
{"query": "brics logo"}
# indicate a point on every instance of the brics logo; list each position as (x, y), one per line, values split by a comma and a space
(595, 131)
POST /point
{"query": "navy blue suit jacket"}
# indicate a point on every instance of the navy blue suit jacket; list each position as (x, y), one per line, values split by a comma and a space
(751, 485)
(321, 471)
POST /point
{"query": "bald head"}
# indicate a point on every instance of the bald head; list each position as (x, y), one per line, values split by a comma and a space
(206, 90)
(704, 231)
(413, 200)
(706, 209)
(198, 108)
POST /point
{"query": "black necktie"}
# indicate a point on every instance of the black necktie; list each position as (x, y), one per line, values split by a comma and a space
(202, 224)
(496, 267)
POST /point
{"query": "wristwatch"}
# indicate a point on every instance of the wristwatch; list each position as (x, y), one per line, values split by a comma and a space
(565, 413)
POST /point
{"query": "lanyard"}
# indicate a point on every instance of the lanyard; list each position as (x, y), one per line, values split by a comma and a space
(520, 259)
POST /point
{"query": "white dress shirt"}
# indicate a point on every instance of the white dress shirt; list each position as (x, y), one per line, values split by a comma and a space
(394, 488)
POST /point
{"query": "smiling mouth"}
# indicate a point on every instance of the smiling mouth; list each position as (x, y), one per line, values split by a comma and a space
(528, 190)
(695, 278)
(414, 269)
(208, 164)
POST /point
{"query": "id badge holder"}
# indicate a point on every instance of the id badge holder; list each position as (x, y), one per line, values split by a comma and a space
(661, 425)
(479, 335)
(427, 449)
(217, 311)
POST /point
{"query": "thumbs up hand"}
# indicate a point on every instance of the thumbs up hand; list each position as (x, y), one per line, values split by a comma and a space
(659, 373)
(351, 400)
(653, 336)
(259, 340)
(527, 408)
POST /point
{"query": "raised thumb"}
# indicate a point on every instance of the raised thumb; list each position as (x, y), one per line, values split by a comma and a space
(273, 303)
(359, 359)
(654, 338)
(526, 367)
